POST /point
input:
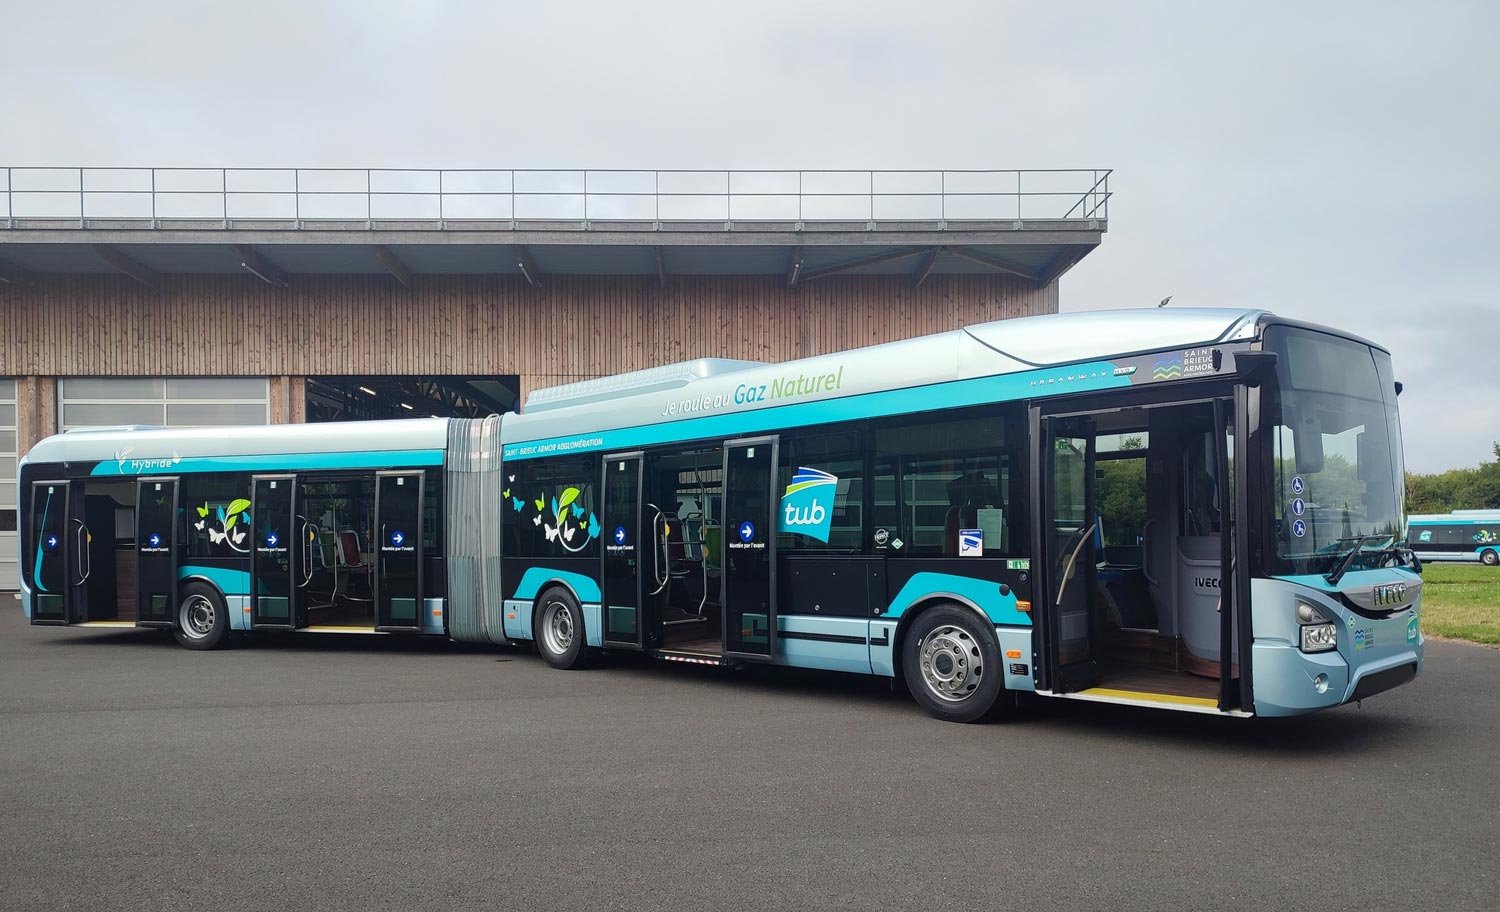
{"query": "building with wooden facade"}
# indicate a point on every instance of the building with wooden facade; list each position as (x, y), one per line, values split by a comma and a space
(219, 297)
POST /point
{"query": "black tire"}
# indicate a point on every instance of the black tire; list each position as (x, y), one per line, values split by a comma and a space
(951, 663)
(557, 622)
(1489, 557)
(202, 617)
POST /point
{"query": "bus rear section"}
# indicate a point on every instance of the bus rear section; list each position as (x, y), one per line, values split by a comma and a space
(326, 529)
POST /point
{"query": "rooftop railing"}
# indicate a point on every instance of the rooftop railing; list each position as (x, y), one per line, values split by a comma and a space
(300, 198)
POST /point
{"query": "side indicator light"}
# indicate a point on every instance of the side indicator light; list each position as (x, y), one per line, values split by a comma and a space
(511, 615)
(1012, 653)
(1023, 605)
(247, 610)
(437, 612)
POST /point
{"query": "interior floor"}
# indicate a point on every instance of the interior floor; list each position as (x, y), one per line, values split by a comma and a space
(709, 646)
(1145, 679)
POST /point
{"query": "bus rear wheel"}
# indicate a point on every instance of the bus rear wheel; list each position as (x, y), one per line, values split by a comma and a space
(202, 618)
(951, 663)
(1490, 558)
(559, 630)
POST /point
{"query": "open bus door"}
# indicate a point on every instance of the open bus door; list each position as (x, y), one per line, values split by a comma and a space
(281, 556)
(54, 563)
(156, 551)
(1070, 519)
(399, 506)
(620, 521)
(748, 581)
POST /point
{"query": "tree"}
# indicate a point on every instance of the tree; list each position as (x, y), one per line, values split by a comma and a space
(1456, 489)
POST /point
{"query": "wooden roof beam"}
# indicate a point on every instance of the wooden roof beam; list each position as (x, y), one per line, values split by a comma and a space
(123, 264)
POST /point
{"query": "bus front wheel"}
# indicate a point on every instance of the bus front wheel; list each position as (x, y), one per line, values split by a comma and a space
(951, 663)
(202, 618)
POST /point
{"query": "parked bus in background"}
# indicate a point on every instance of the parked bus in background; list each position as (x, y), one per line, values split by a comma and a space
(1463, 535)
(1189, 509)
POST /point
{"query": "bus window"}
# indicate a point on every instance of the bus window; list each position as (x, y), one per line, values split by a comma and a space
(823, 504)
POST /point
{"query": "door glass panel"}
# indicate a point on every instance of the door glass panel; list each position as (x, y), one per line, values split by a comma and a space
(621, 524)
(48, 538)
(750, 555)
(156, 550)
(276, 547)
(1071, 533)
(398, 587)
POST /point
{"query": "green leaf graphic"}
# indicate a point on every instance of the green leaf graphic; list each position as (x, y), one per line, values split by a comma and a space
(568, 496)
(239, 506)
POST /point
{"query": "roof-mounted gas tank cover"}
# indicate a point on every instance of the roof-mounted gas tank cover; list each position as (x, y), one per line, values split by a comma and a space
(668, 376)
(1071, 337)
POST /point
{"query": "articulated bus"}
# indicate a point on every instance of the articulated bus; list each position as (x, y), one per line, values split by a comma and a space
(1189, 509)
(1463, 535)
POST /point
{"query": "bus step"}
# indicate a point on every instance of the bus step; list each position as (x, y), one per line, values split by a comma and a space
(694, 658)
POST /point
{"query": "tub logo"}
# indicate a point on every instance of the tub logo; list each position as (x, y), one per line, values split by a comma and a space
(807, 505)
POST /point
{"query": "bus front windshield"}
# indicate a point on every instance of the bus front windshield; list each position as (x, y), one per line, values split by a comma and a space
(1336, 454)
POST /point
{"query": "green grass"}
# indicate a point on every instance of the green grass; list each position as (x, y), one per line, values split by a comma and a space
(1462, 602)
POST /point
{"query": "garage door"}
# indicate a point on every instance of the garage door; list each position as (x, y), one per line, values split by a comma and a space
(8, 578)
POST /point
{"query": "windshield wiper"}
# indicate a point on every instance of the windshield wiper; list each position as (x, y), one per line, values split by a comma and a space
(1347, 558)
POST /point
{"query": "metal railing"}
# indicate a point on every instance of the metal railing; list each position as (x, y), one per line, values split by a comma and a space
(579, 199)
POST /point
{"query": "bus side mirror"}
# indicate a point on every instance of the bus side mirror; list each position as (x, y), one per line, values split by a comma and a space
(1253, 367)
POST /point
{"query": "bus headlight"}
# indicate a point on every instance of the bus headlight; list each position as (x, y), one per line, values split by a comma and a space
(1319, 634)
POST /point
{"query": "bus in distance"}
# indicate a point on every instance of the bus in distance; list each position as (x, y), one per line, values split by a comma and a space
(1463, 535)
(1192, 509)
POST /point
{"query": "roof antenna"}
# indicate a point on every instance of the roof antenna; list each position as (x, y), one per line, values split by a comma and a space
(1164, 301)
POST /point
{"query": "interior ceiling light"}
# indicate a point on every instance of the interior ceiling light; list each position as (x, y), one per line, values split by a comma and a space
(367, 390)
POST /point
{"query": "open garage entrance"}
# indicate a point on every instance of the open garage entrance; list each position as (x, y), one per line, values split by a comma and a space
(370, 397)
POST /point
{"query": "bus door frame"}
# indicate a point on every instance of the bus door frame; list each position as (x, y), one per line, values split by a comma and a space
(64, 545)
(1227, 394)
(299, 554)
(145, 559)
(639, 534)
(768, 531)
(386, 549)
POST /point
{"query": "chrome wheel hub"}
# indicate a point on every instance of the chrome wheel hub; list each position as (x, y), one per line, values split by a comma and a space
(952, 665)
(557, 628)
(196, 617)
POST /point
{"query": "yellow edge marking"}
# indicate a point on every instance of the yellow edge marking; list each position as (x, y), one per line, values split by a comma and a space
(332, 628)
(1153, 697)
(130, 624)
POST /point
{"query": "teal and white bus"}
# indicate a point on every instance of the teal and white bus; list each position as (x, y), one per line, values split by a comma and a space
(1463, 535)
(1190, 509)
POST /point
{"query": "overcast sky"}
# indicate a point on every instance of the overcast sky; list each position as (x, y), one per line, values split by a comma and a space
(1336, 162)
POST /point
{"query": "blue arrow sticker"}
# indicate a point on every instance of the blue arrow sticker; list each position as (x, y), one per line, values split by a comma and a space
(271, 540)
(398, 538)
(747, 531)
(619, 535)
(51, 542)
(154, 541)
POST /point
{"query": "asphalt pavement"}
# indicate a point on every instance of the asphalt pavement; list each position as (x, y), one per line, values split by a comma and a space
(367, 773)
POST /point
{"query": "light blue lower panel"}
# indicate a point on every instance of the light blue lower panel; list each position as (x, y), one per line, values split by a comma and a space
(517, 619)
(1013, 639)
(593, 624)
(883, 648)
(432, 616)
(239, 611)
(851, 654)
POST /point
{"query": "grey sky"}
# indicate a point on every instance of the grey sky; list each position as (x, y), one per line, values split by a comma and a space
(1330, 161)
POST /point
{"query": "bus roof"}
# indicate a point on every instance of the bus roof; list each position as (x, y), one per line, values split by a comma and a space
(98, 444)
(1457, 517)
(981, 350)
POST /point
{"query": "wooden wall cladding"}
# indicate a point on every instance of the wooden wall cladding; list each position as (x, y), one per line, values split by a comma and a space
(569, 328)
